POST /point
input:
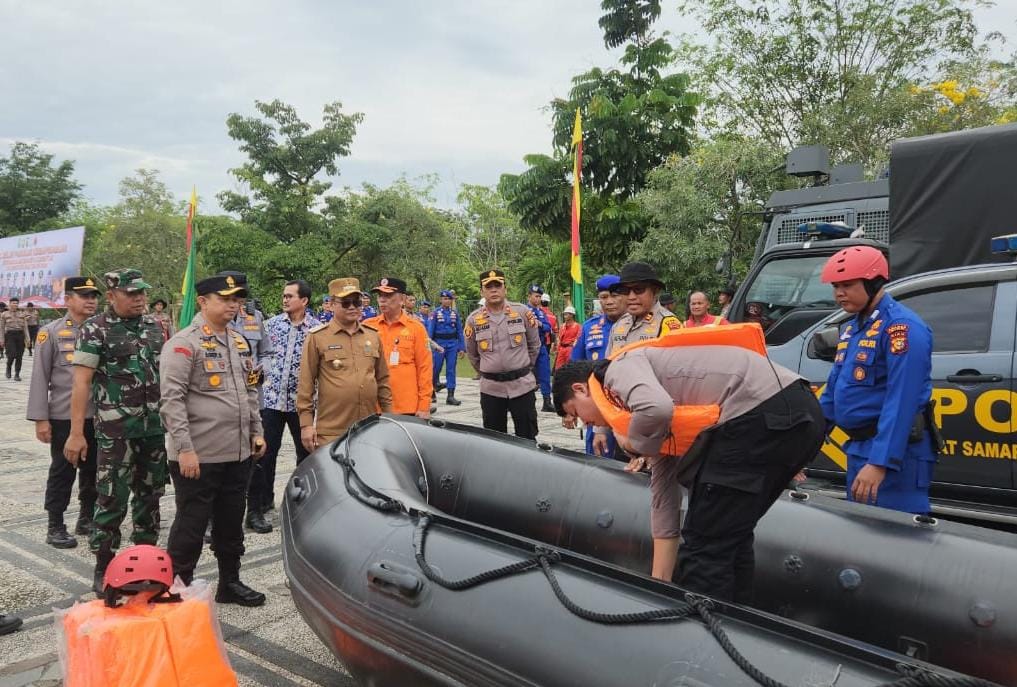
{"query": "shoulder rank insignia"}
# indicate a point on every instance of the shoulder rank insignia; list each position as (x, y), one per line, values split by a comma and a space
(316, 329)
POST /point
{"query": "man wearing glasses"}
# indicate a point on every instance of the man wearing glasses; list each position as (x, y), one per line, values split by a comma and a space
(645, 318)
(286, 333)
(343, 362)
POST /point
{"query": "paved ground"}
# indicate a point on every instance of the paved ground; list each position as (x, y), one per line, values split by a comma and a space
(267, 646)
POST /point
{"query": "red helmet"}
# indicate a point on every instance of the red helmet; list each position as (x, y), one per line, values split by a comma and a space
(136, 569)
(856, 262)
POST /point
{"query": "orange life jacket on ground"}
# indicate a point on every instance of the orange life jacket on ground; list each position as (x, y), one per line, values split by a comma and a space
(686, 421)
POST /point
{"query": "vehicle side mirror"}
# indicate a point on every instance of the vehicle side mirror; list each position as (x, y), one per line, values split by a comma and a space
(824, 344)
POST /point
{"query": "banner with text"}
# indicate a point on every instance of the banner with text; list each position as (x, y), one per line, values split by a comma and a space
(33, 266)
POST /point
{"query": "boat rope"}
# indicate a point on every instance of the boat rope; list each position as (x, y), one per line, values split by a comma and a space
(545, 557)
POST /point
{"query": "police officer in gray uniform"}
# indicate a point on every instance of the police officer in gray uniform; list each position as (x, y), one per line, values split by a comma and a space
(49, 406)
(502, 343)
(213, 434)
(645, 318)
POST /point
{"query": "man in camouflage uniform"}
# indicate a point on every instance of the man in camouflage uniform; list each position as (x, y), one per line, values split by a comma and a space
(116, 360)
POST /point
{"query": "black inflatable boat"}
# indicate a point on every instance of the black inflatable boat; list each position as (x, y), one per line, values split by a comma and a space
(425, 553)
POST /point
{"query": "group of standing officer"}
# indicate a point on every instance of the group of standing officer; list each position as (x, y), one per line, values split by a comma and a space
(125, 410)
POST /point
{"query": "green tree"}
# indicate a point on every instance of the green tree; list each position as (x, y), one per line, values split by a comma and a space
(145, 230)
(33, 189)
(851, 74)
(705, 207)
(286, 159)
(634, 118)
(493, 237)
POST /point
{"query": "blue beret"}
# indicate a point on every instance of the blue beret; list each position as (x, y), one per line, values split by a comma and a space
(447, 294)
(607, 281)
(535, 288)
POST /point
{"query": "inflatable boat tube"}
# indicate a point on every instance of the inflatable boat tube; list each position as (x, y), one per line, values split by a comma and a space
(389, 535)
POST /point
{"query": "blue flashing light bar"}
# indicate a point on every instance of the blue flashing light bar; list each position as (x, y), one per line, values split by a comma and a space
(1005, 244)
(825, 230)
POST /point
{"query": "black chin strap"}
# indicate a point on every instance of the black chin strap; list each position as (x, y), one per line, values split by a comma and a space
(872, 287)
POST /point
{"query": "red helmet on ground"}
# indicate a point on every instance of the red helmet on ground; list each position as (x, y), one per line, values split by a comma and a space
(856, 262)
(135, 569)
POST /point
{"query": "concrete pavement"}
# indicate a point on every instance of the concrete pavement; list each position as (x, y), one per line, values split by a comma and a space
(267, 646)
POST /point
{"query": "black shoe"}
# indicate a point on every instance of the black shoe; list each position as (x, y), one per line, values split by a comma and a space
(83, 526)
(9, 623)
(57, 536)
(17, 378)
(440, 387)
(102, 559)
(238, 593)
(8, 374)
(256, 523)
(451, 399)
(548, 407)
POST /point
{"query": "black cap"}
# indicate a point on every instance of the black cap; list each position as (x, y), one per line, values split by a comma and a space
(233, 284)
(390, 285)
(80, 285)
(666, 298)
(488, 276)
(633, 272)
(536, 288)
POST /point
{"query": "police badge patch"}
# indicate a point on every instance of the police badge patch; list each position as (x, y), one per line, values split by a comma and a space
(898, 334)
(859, 374)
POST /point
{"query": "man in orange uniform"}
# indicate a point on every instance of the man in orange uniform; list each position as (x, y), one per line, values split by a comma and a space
(405, 347)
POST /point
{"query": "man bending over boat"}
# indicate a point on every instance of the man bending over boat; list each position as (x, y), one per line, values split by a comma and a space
(768, 425)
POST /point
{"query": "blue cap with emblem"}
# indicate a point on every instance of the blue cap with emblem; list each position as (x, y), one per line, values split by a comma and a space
(447, 294)
(535, 288)
(607, 281)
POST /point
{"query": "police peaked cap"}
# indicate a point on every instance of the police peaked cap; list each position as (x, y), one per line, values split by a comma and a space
(390, 285)
(80, 285)
(224, 285)
(446, 294)
(535, 288)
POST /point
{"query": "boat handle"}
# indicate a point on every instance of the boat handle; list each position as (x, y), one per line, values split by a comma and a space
(297, 491)
(394, 582)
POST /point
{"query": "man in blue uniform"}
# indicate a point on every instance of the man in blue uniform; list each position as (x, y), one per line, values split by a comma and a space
(543, 366)
(445, 328)
(592, 345)
(879, 388)
(368, 310)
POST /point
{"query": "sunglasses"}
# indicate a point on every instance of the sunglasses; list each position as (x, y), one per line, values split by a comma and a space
(349, 303)
(638, 289)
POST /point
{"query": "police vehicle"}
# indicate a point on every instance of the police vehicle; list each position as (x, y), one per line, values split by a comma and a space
(973, 315)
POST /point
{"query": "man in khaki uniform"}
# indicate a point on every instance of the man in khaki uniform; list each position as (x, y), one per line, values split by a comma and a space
(343, 362)
(211, 413)
(14, 336)
(502, 343)
(49, 406)
(645, 318)
(32, 318)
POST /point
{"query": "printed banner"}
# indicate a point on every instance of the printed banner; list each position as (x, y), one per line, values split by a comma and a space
(33, 266)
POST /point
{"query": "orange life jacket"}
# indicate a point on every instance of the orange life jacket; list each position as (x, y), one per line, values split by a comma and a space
(144, 645)
(686, 421)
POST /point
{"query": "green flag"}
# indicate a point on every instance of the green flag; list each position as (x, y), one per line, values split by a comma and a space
(189, 304)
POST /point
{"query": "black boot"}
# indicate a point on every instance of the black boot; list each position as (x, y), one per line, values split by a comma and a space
(58, 537)
(231, 590)
(451, 399)
(548, 406)
(84, 524)
(256, 522)
(9, 623)
(102, 558)
(439, 387)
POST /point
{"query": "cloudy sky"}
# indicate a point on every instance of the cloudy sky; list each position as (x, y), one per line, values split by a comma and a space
(453, 87)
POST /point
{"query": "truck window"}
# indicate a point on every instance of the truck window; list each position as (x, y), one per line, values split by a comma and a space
(783, 285)
(961, 319)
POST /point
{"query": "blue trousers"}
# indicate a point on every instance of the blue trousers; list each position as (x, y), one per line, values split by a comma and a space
(449, 358)
(612, 445)
(543, 371)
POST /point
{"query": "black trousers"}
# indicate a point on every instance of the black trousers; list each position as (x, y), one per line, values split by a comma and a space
(33, 331)
(749, 462)
(261, 492)
(217, 494)
(61, 475)
(495, 411)
(14, 347)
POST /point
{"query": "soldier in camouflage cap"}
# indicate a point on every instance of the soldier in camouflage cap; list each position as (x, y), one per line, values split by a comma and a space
(116, 361)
